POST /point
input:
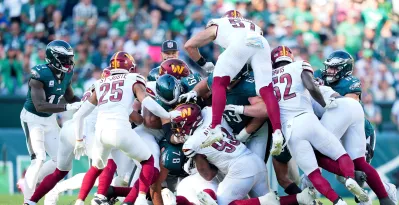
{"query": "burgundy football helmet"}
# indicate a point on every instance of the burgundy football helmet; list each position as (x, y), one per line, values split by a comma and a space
(281, 53)
(175, 67)
(232, 14)
(189, 120)
(122, 62)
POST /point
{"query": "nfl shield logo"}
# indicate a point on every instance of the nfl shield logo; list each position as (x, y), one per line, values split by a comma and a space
(170, 44)
(51, 83)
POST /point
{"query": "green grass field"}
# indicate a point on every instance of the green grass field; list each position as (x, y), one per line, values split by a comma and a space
(70, 200)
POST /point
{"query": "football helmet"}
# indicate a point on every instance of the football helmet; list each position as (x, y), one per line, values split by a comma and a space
(122, 62)
(232, 14)
(168, 89)
(338, 65)
(174, 67)
(189, 120)
(153, 75)
(59, 54)
(281, 54)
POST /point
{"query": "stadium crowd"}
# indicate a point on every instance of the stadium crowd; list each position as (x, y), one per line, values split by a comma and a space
(367, 29)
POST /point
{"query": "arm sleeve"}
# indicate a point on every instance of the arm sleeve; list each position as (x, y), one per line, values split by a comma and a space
(79, 116)
(167, 128)
(155, 108)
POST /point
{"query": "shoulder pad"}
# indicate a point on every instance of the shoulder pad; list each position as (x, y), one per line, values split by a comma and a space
(306, 66)
(211, 23)
(137, 77)
(37, 70)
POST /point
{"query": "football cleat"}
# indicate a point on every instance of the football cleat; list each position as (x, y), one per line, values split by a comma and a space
(51, 197)
(168, 197)
(270, 198)
(141, 201)
(99, 200)
(341, 202)
(356, 190)
(391, 190)
(215, 135)
(205, 199)
(307, 196)
(278, 140)
(27, 202)
(79, 202)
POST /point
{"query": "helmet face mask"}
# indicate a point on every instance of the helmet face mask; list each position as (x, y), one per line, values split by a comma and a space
(337, 66)
(189, 121)
(59, 55)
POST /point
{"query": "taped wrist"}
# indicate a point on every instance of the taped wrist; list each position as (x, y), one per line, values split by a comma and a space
(201, 61)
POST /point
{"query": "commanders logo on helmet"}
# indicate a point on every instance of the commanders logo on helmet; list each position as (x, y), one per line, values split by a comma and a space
(189, 120)
(122, 62)
(280, 54)
(233, 14)
(175, 67)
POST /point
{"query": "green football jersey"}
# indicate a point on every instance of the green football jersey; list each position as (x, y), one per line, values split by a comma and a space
(53, 88)
(347, 85)
(238, 95)
(188, 83)
(153, 74)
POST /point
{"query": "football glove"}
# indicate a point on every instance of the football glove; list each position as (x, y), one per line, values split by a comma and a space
(188, 96)
(214, 135)
(80, 149)
(189, 167)
(278, 140)
(236, 109)
(331, 103)
(243, 135)
(208, 67)
(73, 106)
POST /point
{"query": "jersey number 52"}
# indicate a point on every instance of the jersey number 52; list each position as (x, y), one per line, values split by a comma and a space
(283, 78)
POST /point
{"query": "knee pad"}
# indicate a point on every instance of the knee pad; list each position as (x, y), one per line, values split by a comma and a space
(173, 159)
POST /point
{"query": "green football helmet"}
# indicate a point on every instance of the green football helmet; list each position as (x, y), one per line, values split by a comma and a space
(153, 75)
(168, 89)
(59, 54)
(338, 65)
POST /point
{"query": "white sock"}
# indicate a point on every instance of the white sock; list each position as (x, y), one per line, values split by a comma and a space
(72, 183)
(31, 176)
(47, 168)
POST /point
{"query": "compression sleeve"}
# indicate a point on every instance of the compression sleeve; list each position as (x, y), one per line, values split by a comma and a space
(167, 129)
(79, 116)
(155, 108)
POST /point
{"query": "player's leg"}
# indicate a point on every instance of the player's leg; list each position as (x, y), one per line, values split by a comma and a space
(225, 194)
(258, 142)
(229, 64)
(262, 67)
(338, 120)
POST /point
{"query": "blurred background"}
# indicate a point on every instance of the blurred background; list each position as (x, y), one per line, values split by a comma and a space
(367, 29)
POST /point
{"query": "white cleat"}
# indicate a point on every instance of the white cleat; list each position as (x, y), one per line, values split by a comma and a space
(168, 197)
(205, 199)
(99, 200)
(278, 141)
(79, 202)
(391, 190)
(28, 202)
(141, 201)
(307, 196)
(214, 135)
(51, 197)
(269, 199)
(341, 202)
(356, 190)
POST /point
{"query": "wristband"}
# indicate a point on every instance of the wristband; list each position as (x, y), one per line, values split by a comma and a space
(201, 61)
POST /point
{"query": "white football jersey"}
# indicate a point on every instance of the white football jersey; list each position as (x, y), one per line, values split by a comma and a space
(327, 92)
(115, 99)
(233, 29)
(292, 96)
(151, 88)
(222, 154)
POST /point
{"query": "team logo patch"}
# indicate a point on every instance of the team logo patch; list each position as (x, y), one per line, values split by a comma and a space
(51, 83)
(35, 74)
(354, 86)
(170, 44)
(150, 92)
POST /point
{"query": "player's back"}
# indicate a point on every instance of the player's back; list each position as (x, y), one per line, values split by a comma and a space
(115, 99)
(232, 29)
(222, 154)
(290, 92)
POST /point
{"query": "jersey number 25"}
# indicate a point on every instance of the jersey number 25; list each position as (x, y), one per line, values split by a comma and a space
(116, 91)
(283, 78)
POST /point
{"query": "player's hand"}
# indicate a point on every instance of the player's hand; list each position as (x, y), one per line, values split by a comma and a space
(236, 109)
(73, 106)
(208, 67)
(331, 103)
(174, 113)
(188, 96)
(243, 135)
(214, 135)
(80, 149)
(278, 140)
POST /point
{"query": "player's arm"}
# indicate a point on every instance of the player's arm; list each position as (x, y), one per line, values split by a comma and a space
(257, 108)
(39, 99)
(251, 127)
(202, 88)
(307, 79)
(204, 168)
(69, 96)
(201, 39)
(136, 118)
(86, 108)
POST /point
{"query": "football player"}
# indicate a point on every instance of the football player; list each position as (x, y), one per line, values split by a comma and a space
(245, 172)
(244, 43)
(294, 86)
(48, 84)
(114, 96)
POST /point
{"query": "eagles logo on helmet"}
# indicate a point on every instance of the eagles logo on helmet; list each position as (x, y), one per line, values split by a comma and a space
(122, 62)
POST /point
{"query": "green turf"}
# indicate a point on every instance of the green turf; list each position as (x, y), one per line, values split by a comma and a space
(70, 200)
